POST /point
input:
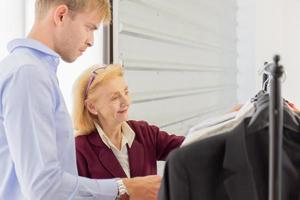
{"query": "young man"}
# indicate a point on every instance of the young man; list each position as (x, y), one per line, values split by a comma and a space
(37, 153)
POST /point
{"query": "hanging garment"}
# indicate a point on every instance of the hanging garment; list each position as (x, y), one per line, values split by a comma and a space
(234, 165)
(219, 125)
(212, 122)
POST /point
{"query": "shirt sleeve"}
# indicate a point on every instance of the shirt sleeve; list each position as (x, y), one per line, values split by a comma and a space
(29, 101)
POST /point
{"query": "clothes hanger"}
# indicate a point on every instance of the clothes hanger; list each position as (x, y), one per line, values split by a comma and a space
(265, 81)
(260, 117)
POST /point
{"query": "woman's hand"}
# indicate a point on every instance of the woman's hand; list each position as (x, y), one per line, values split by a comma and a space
(236, 108)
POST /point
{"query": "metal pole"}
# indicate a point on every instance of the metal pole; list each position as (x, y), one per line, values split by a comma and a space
(275, 132)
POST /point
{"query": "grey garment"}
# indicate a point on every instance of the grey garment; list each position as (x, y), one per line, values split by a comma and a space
(212, 169)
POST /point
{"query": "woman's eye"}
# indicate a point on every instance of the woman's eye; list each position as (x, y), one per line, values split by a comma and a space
(114, 98)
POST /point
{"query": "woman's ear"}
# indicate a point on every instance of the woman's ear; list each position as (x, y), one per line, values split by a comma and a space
(60, 13)
(90, 107)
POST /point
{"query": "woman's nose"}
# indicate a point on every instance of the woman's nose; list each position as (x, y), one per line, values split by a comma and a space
(125, 101)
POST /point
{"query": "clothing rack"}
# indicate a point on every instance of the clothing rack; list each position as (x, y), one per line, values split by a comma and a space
(275, 72)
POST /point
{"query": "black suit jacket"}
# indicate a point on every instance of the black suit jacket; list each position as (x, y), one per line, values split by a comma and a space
(232, 166)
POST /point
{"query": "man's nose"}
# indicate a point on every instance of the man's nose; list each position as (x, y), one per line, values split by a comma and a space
(90, 41)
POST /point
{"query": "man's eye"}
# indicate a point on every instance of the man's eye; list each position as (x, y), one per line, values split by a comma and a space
(89, 28)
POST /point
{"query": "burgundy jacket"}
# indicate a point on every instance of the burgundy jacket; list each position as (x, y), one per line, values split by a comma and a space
(96, 160)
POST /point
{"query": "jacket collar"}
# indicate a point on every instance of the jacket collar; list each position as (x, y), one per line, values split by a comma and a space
(128, 135)
(260, 118)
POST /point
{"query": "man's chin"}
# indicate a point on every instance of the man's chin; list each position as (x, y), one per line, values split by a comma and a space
(69, 60)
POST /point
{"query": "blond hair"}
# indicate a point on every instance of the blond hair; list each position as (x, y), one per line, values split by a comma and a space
(83, 120)
(41, 6)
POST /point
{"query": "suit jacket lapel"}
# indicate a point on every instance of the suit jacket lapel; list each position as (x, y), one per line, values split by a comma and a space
(136, 156)
(111, 163)
(239, 184)
(106, 156)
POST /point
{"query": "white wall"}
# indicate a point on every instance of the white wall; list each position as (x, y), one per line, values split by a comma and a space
(246, 49)
(291, 49)
(267, 27)
(9, 27)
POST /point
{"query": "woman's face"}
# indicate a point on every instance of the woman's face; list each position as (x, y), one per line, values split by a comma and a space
(112, 101)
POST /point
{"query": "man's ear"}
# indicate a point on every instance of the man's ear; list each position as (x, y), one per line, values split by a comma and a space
(60, 13)
(91, 107)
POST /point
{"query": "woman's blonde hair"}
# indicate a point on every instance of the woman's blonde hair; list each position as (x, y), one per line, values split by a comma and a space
(41, 6)
(84, 89)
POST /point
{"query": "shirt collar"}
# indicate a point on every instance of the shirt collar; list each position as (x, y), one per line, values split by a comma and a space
(127, 132)
(51, 56)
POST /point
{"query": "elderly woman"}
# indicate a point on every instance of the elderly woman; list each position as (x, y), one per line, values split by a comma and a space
(108, 145)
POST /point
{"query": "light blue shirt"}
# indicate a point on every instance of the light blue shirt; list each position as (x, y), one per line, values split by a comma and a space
(37, 149)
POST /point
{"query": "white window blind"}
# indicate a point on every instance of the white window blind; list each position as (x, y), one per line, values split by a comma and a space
(180, 58)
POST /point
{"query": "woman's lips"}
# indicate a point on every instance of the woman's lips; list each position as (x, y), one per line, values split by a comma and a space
(122, 111)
